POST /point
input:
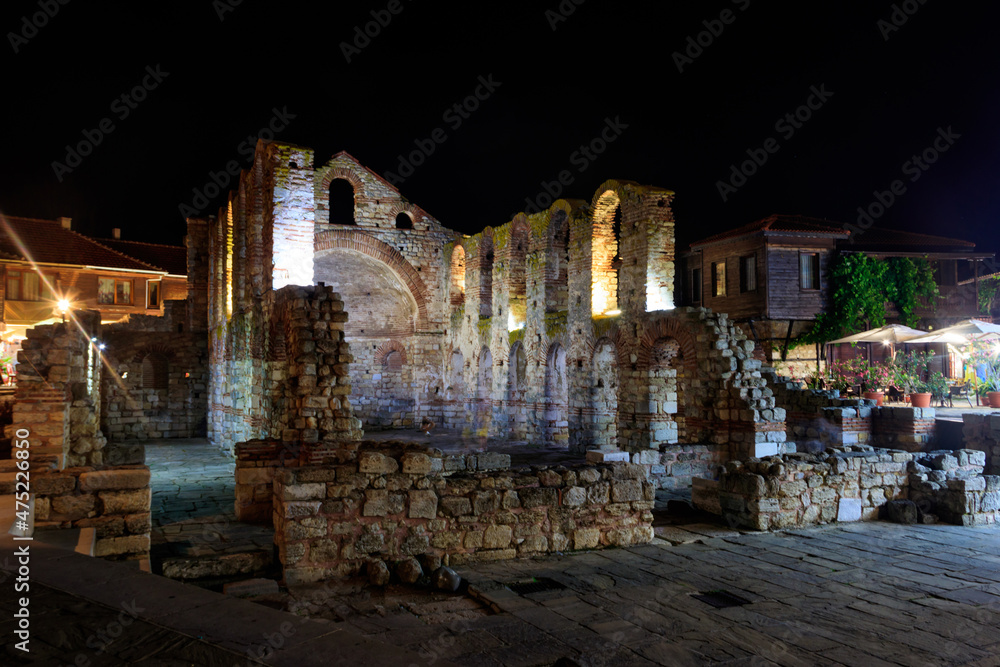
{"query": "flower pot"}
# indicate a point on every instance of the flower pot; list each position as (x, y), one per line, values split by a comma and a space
(920, 400)
(994, 398)
(877, 396)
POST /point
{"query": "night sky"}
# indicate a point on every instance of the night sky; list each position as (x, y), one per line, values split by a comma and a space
(679, 116)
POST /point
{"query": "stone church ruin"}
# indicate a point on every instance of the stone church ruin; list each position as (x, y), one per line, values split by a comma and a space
(323, 306)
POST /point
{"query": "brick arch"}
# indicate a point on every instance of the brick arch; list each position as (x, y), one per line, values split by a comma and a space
(152, 348)
(404, 207)
(385, 348)
(351, 239)
(668, 327)
(617, 338)
(333, 173)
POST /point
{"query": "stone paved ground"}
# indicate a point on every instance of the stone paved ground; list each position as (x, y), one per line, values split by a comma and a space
(848, 594)
(193, 513)
(852, 594)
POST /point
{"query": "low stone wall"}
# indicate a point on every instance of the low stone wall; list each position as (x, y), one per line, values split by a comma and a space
(944, 488)
(675, 466)
(982, 433)
(392, 504)
(816, 420)
(113, 501)
(909, 429)
(847, 484)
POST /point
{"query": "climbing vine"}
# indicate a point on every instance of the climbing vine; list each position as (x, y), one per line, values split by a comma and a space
(859, 288)
(988, 295)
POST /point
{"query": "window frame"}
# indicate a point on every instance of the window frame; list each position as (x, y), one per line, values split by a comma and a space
(159, 294)
(21, 277)
(114, 293)
(815, 272)
(696, 285)
(745, 261)
(716, 291)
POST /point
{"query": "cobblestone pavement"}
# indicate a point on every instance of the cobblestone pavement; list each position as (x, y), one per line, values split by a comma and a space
(868, 594)
(193, 514)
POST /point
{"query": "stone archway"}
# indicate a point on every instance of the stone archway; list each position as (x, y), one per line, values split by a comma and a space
(556, 396)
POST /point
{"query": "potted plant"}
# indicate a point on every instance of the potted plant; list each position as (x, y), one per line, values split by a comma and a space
(907, 373)
(936, 385)
(873, 378)
(986, 361)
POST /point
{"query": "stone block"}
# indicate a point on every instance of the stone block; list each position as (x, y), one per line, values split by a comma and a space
(423, 504)
(415, 463)
(901, 511)
(623, 491)
(455, 506)
(310, 491)
(118, 478)
(575, 496)
(125, 502)
(849, 509)
(130, 545)
(497, 537)
(586, 538)
(376, 502)
(375, 463)
(72, 507)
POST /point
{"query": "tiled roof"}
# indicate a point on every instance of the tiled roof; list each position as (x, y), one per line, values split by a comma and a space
(170, 258)
(47, 241)
(894, 239)
(792, 224)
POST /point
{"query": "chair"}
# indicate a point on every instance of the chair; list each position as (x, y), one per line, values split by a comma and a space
(960, 390)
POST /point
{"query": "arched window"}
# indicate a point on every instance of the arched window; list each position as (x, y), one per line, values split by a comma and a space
(486, 278)
(605, 255)
(404, 221)
(155, 371)
(393, 361)
(457, 295)
(341, 203)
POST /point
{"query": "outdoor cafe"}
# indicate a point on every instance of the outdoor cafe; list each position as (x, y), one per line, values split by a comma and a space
(897, 364)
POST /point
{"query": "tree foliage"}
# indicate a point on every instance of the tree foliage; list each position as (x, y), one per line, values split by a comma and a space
(989, 295)
(860, 287)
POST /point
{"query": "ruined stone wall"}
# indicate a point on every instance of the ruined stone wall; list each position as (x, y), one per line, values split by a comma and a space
(982, 433)
(58, 394)
(555, 327)
(816, 420)
(393, 504)
(849, 484)
(115, 502)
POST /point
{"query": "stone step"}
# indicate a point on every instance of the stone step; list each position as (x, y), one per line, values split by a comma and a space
(216, 566)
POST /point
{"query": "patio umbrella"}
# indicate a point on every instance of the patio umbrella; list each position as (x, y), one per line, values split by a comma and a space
(892, 333)
(960, 334)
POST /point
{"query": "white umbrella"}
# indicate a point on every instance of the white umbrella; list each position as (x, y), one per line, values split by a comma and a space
(960, 334)
(893, 333)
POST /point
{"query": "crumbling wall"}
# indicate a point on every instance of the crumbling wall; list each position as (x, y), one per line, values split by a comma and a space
(58, 392)
(390, 504)
(982, 433)
(848, 484)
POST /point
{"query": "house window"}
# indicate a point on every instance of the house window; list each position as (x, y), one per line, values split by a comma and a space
(809, 270)
(26, 286)
(748, 273)
(696, 286)
(114, 292)
(153, 294)
(718, 279)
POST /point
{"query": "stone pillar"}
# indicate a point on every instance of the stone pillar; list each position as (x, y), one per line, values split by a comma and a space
(294, 209)
(197, 272)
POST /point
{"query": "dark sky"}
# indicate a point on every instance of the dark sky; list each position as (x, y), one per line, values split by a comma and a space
(892, 90)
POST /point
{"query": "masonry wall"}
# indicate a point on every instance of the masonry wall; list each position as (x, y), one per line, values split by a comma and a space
(58, 395)
(396, 503)
(851, 484)
(982, 433)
